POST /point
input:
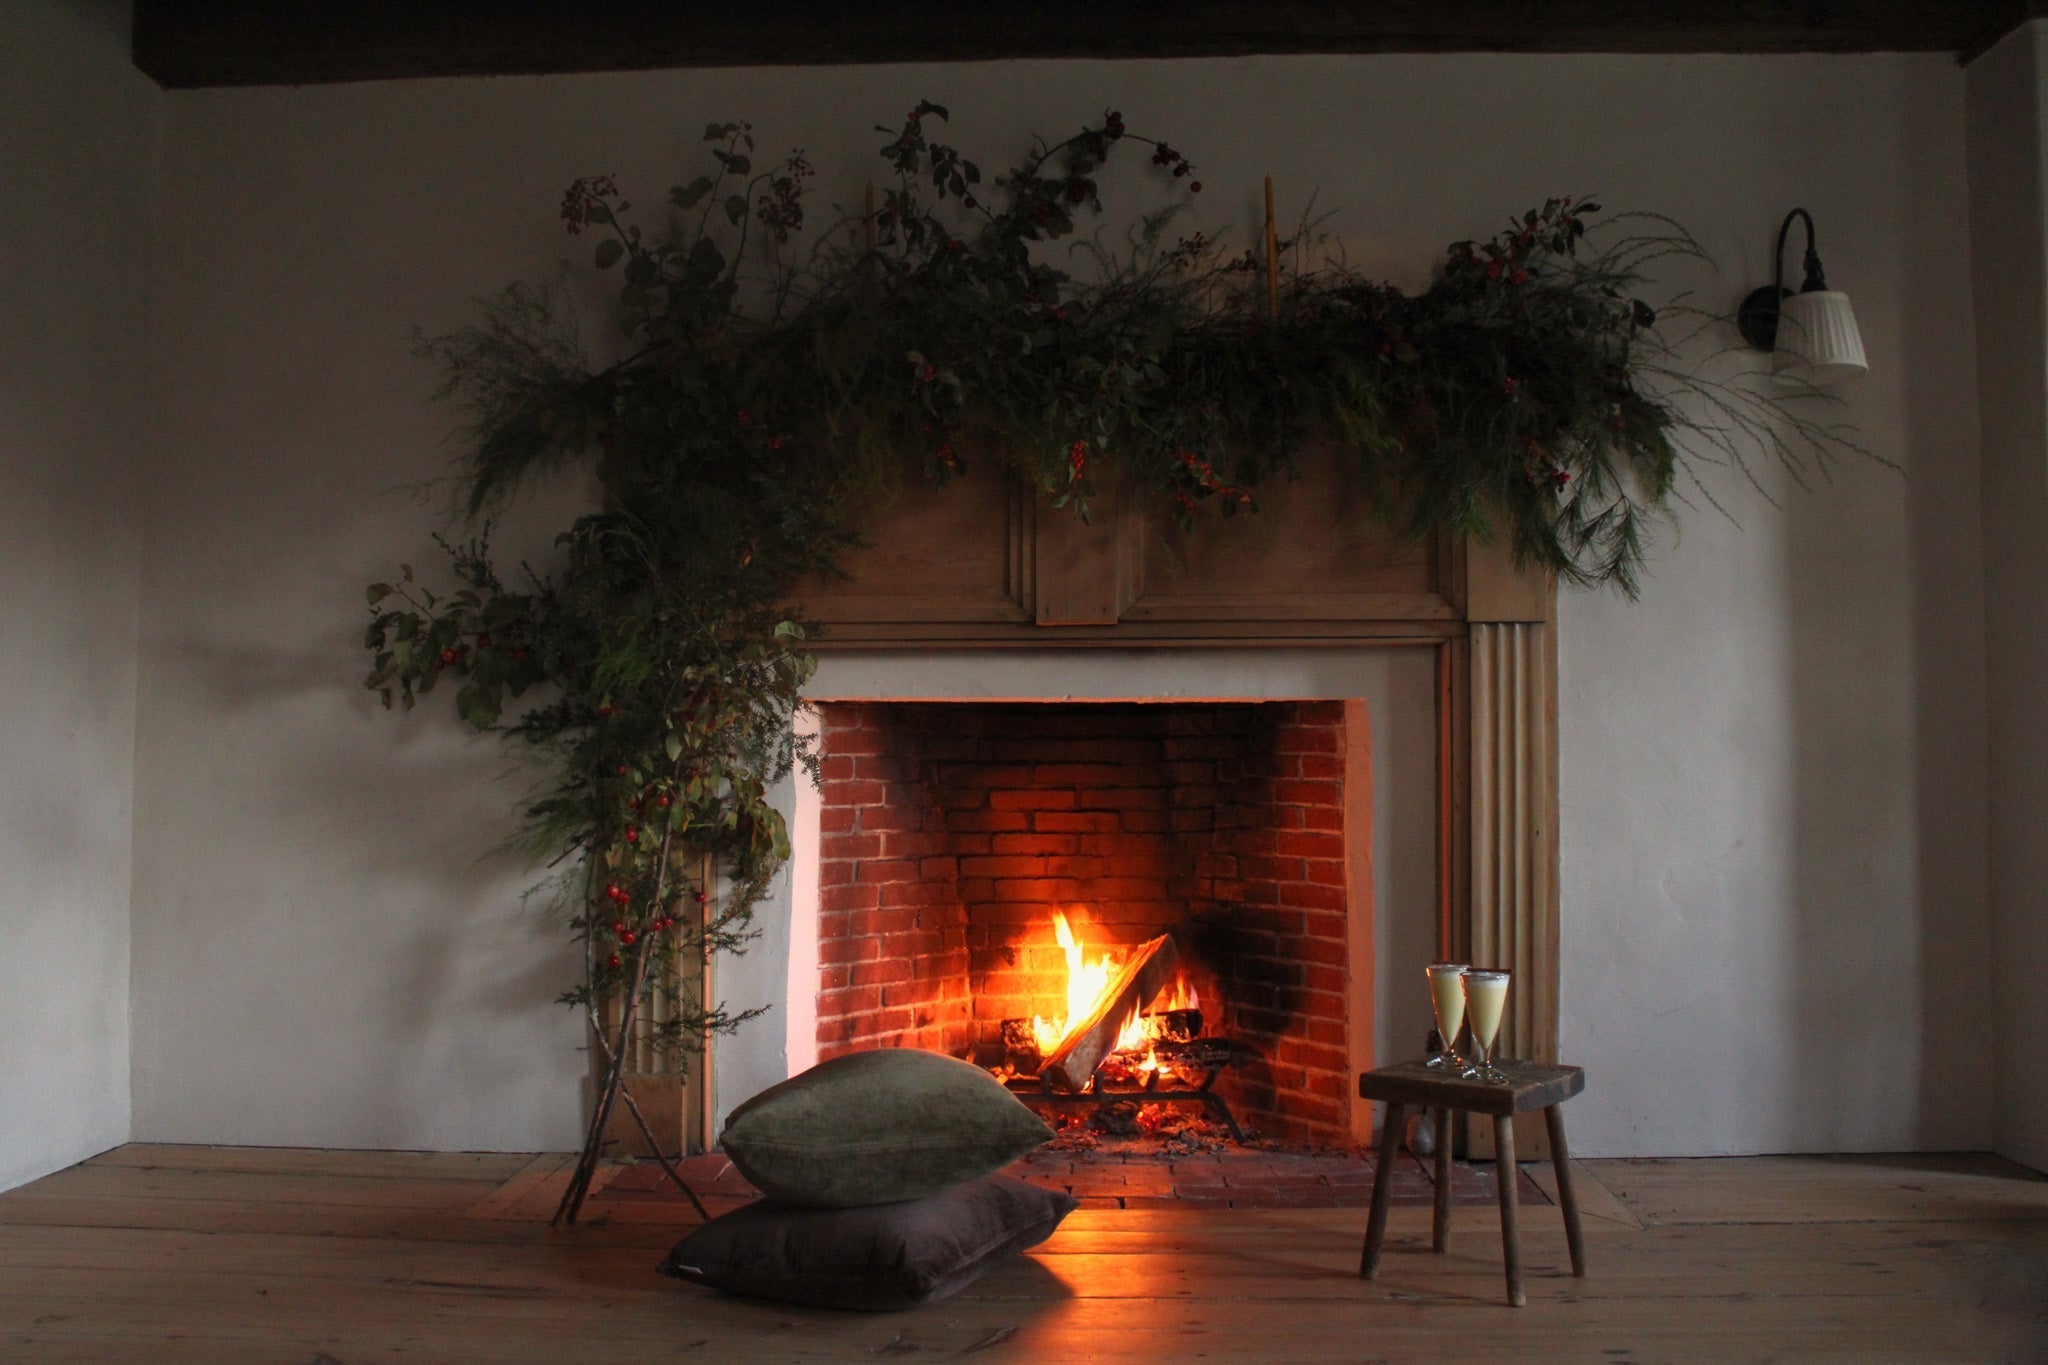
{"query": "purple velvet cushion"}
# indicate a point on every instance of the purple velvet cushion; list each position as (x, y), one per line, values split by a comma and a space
(880, 1257)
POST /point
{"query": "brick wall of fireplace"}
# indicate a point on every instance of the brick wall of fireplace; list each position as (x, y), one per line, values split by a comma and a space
(950, 832)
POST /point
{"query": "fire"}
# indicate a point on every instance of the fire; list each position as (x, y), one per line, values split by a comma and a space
(1087, 982)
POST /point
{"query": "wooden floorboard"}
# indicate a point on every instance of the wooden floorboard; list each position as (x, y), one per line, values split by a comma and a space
(203, 1254)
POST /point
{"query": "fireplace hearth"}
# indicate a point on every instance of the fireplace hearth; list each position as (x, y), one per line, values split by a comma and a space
(1202, 842)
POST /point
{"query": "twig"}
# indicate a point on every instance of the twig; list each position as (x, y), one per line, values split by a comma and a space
(593, 1142)
(653, 1145)
(1272, 258)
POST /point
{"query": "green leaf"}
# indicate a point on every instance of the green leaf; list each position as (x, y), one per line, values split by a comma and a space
(690, 195)
(476, 706)
(673, 745)
(608, 252)
(377, 592)
(736, 206)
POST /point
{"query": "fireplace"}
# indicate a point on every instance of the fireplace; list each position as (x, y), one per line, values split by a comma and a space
(953, 836)
(1438, 655)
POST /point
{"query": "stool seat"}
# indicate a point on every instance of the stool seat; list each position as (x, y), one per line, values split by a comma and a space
(1529, 1086)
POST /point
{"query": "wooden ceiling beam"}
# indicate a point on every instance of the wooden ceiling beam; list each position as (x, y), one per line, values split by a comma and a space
(196, 43)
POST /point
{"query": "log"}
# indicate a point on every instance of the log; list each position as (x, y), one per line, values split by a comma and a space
(1145, 973)
(1176, 1026)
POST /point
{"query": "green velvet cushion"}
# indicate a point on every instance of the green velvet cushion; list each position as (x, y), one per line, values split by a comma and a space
(877, 1127)
(881, 1257)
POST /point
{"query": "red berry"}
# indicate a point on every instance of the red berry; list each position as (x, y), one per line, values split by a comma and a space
(622, 770)
(1195, 187)
(701, 898)
(612, 891)
(605, 710)
(663, 801)
(632, 836)
(618, 926)
(615, 964)
(449, 656)
(628, 938)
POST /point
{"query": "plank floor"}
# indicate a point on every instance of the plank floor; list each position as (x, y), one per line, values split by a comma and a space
(164, 1253)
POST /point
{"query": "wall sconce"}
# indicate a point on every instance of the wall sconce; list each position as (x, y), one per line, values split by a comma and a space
(1811, 334)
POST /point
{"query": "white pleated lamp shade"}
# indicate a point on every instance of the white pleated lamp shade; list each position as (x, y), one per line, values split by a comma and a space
(1817, 338)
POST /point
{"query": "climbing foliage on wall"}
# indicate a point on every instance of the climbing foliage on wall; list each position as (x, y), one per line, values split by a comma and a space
(773, 382)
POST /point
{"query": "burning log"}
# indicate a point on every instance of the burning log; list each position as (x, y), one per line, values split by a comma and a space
(1144, 974)
(1176, 1026)
(1019, 1037)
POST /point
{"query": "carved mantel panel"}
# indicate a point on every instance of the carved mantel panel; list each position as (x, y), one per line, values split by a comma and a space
(982, 561)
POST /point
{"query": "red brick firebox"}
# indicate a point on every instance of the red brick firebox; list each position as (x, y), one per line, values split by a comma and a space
(950, 832)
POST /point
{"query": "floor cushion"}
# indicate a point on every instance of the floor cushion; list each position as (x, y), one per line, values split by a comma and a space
(875, 1127)
(881, 1257)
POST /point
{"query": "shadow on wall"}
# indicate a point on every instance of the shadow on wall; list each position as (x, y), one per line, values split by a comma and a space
(333, 894)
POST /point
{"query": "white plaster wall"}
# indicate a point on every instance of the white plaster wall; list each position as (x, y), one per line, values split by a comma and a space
(1774, 924)
(2008, 108)
(1773, 899)
(76, 124)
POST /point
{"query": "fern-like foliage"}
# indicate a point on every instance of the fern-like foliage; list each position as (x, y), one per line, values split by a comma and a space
(769, 390)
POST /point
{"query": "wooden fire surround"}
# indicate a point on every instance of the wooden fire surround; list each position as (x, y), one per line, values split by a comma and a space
(982, 564)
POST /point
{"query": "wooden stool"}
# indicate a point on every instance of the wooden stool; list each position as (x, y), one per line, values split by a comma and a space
(1531, 1085)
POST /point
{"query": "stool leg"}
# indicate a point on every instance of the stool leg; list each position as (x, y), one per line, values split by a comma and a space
(1382, 1188)
(1440, 1228)
(1510, 1219)
(1560, 1161)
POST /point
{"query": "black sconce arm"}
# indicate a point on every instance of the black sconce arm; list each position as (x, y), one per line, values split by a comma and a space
(1757, 318)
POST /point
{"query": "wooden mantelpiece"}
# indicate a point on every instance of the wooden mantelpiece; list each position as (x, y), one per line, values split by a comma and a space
(982, 564)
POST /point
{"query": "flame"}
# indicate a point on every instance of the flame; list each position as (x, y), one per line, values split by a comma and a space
(1086, 983)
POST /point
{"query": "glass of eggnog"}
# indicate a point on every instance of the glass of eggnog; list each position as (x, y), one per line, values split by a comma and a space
(1486, 995)
(1447, 998)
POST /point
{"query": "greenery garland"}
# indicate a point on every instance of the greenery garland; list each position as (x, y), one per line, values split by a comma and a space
(767, 397)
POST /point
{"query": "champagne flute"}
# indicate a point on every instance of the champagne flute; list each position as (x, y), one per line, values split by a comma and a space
(1447, 998)
(1486, 994)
